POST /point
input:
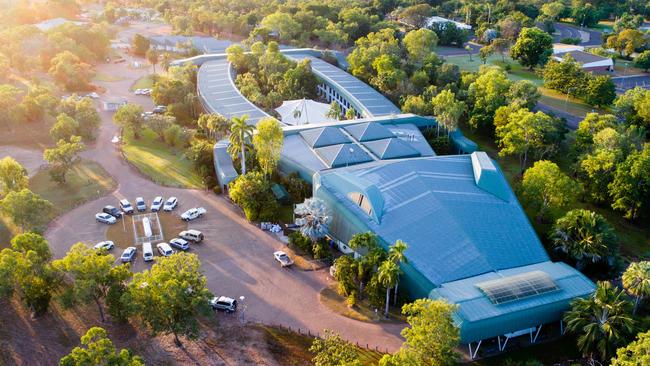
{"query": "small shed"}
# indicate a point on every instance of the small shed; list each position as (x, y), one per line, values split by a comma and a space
(280, 193)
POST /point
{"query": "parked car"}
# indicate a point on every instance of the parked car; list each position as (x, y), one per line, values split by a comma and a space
(92, 95)
(128, 254)
(192, 235)
(125, 205)
(147, 252)
(107, 245)
(170, 204)
(140, 204)
(227, 304)
(164, 249)
(283, 258)
(179, 243)
(156, 204)
(193, 213)
(159, 109)
(113, 211)
(105, 218)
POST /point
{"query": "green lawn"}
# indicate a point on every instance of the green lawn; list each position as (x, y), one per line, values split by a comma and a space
(145, 82)
(550, 97)
(163, 164)
(86, 181)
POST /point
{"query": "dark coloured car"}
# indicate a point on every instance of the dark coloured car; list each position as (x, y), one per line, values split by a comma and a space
(113, 211)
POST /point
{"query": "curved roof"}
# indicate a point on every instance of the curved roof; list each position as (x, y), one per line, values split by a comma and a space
(363, 97)
(219, 94)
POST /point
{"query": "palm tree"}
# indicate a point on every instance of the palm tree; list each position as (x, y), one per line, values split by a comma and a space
(636, 280)
(396, 253)
(387, 274)
(601, 321)
(240, 133)
(316, 217)
(585, 236)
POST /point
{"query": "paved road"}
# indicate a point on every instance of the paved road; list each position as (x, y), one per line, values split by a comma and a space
(236, 256)
(572, 121)
(589, 37)
(624, 83)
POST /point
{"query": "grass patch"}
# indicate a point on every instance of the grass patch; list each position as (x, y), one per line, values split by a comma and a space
(86, 181)
(145, 82)
(101, 76)
(160, 162)
(361, 311)
(560, 101)
(122, 232)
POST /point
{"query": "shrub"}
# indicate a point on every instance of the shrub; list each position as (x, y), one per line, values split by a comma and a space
(297, 187)
(252, 192)
(441, 145)
(351, 300)
(300, 241)
(571, 40)
(320, 250)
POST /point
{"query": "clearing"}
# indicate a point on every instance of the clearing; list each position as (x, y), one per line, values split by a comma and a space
(161, 163)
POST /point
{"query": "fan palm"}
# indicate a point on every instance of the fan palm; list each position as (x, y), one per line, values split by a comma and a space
(601, 321)
(316, 218)
(240, 135)
(585, 236)
(387, 274)
(636, 280)
(396, 253)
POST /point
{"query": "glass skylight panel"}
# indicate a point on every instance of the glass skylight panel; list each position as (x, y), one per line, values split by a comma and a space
(517, 287)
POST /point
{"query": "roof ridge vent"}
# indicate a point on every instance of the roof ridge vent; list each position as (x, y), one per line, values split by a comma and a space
(488, 177)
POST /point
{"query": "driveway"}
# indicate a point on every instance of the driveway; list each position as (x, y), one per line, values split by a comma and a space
(236, 256)
(588, 37)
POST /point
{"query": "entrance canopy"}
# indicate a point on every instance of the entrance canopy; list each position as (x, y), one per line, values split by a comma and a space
(303, 111)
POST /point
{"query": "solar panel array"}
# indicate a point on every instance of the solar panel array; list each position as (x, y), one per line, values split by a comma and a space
(517, 287)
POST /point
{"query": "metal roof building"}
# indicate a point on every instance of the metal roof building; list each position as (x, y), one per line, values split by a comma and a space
(219, 94)
(469, 240)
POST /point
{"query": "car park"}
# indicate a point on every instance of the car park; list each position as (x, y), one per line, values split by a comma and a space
(125, 205)
(170, 204)
(140, 204)
(147, 252)
(164, 249)
(106, 245)
(113, 211)
(128, 254)
(283, 258)
(223, 303)
(179, 243)
(156, 204)
(105, 218)
(193, 213)
(191, 235)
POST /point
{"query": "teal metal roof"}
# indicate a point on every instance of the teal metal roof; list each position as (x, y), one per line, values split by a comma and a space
(391, 148)
(455, 229)
(336, 156)
(226, 172)
(369, 131)
(479, 318)
(487, 177)
(324, 136)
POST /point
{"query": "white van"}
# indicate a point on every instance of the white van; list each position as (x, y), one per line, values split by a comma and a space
(192, 235)
(147, 252)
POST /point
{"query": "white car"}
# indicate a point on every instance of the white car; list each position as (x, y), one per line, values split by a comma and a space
(164, 249)
(193, 213)
(128, 254)
(156, 204)
(140, 204)
(92, 95)
(283, 258)
(105, 218)
(138, 92)
(107, 245)
(170, 204)
(179, 243)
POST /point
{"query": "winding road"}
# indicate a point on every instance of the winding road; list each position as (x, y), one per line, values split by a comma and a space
(236, 256)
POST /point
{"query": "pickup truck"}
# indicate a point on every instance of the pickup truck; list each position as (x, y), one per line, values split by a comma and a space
(193, 213)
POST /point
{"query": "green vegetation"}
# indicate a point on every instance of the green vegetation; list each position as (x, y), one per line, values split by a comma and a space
(159, 162)
(145, 82)
(85, 181)
(99, 348)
